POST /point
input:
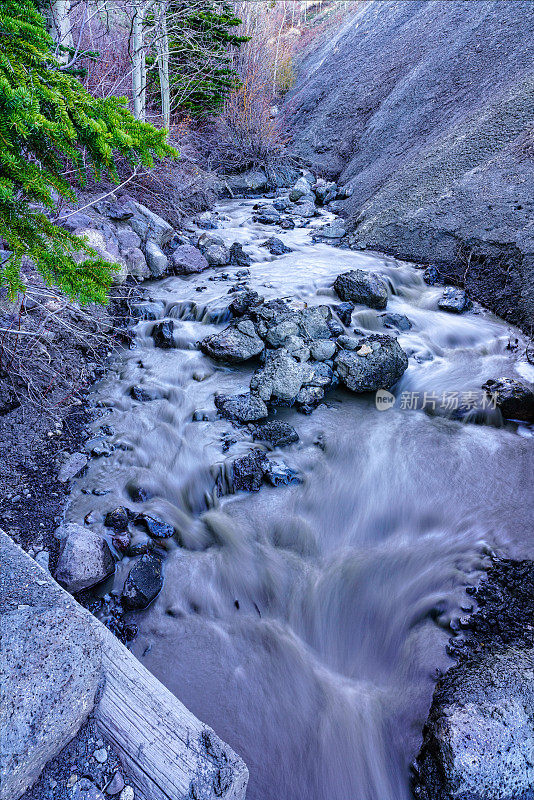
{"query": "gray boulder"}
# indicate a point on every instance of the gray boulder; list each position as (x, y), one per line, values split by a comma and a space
(163, 335)
(281, 379)
(248, 471)
(377, 363)
(238, 256)
(314, 322)
(216, 253)
(360, 286)
(251, 182)
(514, 399)
(206, 221)
(136, 263)
(276, 247)
(241, 407)
(301, 188)
(186, 260)
(72, 467)
(479, 740)
(322, 350)
(148, 225)
(127, 238)
(84, 559)
(237, 343)
(324, 191)
(334, 230)
(398, 321)
(156, 259)
(266, 215)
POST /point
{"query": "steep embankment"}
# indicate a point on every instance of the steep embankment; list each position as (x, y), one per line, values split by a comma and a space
(426, 109)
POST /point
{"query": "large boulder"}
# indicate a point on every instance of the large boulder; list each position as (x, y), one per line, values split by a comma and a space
(266, 215)
(186, 260)
(514, 399)
(136, 263)
(216, 253)
(454, 300)
(51, 673)
(248, 471)
(377, 363)
(479, 738)
(237, 343)
(360, 286)
(105, 248)
(148, 225)
(84, 559)
(281, 379)
(301, 188)
(252, 182)
(156, 259)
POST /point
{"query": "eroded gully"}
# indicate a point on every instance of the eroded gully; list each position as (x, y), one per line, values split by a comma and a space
(305, 623)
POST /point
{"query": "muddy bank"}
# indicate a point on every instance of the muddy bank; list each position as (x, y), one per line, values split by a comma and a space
(425, 109)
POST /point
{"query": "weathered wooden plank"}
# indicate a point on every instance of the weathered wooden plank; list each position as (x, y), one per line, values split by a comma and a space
(167, 751)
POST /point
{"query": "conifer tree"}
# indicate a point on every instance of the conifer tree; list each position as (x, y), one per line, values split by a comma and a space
(201, 35)
(48, 119)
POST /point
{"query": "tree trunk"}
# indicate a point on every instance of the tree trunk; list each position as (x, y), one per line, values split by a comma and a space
(138, 66)
(162, 44)
(58, 24)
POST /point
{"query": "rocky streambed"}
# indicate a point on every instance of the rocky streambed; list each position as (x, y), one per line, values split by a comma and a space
(303, 459)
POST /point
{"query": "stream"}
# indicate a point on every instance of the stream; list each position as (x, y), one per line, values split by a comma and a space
(305, 623)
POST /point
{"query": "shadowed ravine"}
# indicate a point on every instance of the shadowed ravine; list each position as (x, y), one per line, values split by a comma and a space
(305, 623)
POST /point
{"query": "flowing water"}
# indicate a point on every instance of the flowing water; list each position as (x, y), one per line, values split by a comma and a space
(305, 623)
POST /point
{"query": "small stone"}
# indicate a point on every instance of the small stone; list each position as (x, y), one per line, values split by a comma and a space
(431, 276)
(156, 528)
(156, 259)
(72, 780)
(115, 785)
(248, 471)
(143, 583)
(344, 312)
(276, 247)
(238, 256)
(127, 793)
(279, 474)
(101, 755)
(278, 434)
(241, 407)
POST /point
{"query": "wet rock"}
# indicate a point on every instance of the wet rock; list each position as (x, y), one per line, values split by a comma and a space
(77, 220)
(296, 347)
(163, 335)
(143, 583)
(314, 322)
(304, 211)
(214, 250)
(266, 215)
(431, 276)
(398, 321)
(454, 300)
(72, 467)
(156, 259)
(148, 310)
(287, 224)
(243, 302)
(281, 379)
(360, 286)
(308, 398)
(344, 312)
(300, 189)
(279, 474)
(514, 399)
(278, 434)
(118, 519)
(377, 363)
(335, 328)
(156, 528)
(84, 560)
(241, 407)
(276, 335)
(276, 247)
(248, 471)
(322, 375)
(139, 494)
(282, 203)
(145, 394)
(238, 256)
(237, 343)
(187, 260)
(332, 231)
